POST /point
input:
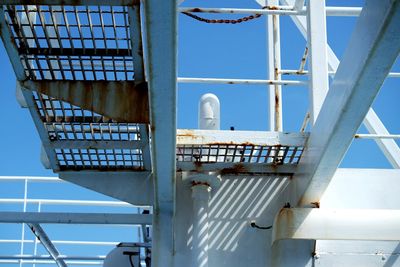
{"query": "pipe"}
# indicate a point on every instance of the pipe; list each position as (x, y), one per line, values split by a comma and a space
(278, 10)
(209, 119)
(377, 136)
(305, 72)
(209, 112)
(241, 81)
(200, 196)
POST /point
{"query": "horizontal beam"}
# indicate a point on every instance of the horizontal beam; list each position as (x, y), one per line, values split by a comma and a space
(47, 257)
(240, 81)
(100, 144)
(97, 203)
(71, 2)
(74, 218)
(31, 178)
(259, 138)
(74, 243)
(122, 101)
(377, 136)
(334, 224)
(306, 72)
(69, 262)
(274, 10)
(63, 242)
(236, 168)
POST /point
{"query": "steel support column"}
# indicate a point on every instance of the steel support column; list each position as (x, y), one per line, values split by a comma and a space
(317, 42)
(160, 59)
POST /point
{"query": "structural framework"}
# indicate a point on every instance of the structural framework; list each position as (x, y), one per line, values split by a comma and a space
(99, 79)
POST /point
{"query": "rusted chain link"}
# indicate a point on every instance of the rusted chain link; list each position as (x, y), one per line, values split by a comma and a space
(226, 21)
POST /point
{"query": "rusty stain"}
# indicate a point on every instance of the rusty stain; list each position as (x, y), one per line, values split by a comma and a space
(271, 7)
(186, 133)
(198, 166)
(229, 143)
(284, 218)
(300, 72)
(121, 101)
(276, 101)
(236, 168)
(303, 60)
(316, 204)
(194, 183)
(200, 10)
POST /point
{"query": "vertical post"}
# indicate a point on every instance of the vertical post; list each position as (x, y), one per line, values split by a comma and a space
(23, 225)
(161, 54)
(208, 119)
(274, 65)
(200, 196)
(318, 63)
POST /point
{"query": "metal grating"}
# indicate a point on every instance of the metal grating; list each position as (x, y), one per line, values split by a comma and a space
(239, 153)
(53, 110)
(99, 159)
(93, 131)
(79, 43)
(72, 42)
(66, 125)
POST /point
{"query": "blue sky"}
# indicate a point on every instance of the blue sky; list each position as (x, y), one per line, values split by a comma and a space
(207, 50)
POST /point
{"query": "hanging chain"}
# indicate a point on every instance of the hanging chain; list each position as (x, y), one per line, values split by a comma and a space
(226, 21)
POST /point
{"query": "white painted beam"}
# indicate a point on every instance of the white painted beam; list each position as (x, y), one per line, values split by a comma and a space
(274, 65)
(40, 234)
(372, 50)
(161, 59)
(337, 224)
(371, 121)
(221, 137)
(132, 187)
(74, 218)
(317, 47)
(389, 147)
(274, 10)
(236, 167)
(298, 5)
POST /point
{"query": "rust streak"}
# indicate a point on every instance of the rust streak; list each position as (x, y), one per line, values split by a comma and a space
(271, 7)
(237, 168)
(316, 204)
(120, 101)
(229, 143)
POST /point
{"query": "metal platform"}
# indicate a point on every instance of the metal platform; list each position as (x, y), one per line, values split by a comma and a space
(108, 125)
